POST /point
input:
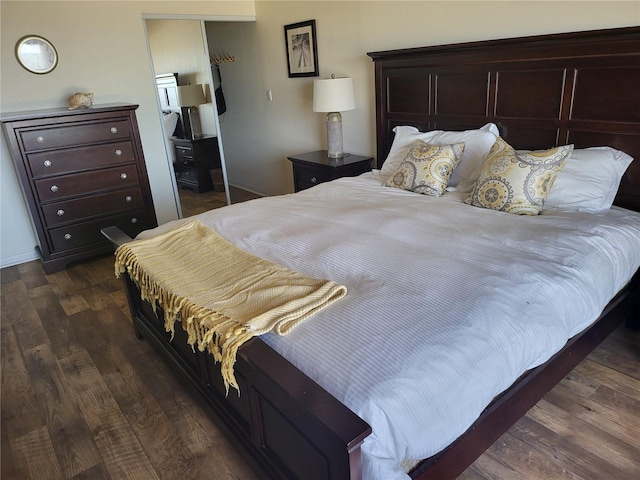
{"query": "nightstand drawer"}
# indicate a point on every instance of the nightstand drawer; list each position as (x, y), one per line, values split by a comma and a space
(306, 178)
(184, 154)
(186, 174)
(310, 169)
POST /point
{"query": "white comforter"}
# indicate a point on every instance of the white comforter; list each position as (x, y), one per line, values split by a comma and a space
(447, 304)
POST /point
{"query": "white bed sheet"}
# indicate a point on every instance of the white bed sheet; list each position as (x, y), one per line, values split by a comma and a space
(449, 303)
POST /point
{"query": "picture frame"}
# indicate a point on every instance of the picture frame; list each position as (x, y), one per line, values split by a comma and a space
(302, 49)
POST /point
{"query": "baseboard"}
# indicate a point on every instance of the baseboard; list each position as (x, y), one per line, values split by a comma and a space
(18, 259)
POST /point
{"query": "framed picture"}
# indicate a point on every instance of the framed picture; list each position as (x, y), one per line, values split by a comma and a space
(302, 49)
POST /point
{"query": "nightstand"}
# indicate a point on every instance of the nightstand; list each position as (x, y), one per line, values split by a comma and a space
(312, 168)
(194, 159)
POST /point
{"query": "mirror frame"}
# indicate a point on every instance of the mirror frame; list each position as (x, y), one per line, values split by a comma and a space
(40, 62)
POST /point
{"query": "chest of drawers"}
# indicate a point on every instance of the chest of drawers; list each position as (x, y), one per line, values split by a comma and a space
(80, 171)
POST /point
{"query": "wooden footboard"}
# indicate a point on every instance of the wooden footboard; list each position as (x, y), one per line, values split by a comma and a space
(287, 425)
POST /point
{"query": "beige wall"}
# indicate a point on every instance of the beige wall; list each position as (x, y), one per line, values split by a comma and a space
(102, 48)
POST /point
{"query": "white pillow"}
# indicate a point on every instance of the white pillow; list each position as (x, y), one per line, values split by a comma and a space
(477, 145)
(589, 181)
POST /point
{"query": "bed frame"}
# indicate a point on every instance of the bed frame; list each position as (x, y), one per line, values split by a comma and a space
(541, 91)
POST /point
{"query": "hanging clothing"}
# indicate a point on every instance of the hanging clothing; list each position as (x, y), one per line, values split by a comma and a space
(217, 85)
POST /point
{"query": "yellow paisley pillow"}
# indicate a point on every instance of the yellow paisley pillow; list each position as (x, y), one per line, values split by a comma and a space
(426, 168)
(517, 181)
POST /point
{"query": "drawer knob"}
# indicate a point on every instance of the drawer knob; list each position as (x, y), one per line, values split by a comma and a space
(134, 220)
(60, 212)
(118, 152)
(114, 130)
(128, 198)
(40, 139)
(67, 236)
(314, 180)
(47, 163)
(54, 188)
(123, 176)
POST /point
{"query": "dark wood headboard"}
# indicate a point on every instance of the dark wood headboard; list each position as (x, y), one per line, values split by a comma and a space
(542, 91)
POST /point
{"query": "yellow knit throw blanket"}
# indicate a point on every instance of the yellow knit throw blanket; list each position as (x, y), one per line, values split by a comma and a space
(222, 295)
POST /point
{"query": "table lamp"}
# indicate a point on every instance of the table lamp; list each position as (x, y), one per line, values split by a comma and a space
(333, 95)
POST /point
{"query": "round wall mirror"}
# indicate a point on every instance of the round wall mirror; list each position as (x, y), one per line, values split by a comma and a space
(36, 54)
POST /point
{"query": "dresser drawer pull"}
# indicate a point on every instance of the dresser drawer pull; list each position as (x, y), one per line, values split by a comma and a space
(60, 212)
(114, 130)
(40, 139)
(118, 152)
(314, 180)
(134, 220)
(128, 198)
(54, 188)
(47, 163)
(67, 236)
(123, 176)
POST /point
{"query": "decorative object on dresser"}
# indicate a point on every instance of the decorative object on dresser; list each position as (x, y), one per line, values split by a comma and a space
(194, 160)
(80, 171)
(313, 168)
(81, 100)
(333, 95)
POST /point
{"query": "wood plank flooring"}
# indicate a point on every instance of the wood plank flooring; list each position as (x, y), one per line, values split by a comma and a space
(82, 398)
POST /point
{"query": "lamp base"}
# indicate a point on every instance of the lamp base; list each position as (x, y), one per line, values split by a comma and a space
(334, 135)
(191, 122)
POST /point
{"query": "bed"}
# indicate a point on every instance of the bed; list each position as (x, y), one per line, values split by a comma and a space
(295, 415)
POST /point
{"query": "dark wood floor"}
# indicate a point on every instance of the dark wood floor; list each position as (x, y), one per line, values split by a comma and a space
(82, 398)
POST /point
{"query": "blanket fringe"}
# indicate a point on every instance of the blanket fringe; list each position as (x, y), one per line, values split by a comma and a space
(206, 330)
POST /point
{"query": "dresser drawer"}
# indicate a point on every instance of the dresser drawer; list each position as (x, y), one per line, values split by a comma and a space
(76, 159)
(87, 234)
(58, 188)
(92, 206)
(75, 134)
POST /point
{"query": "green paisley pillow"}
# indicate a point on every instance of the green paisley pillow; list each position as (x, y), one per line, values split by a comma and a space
(517, 182)
(426, 168)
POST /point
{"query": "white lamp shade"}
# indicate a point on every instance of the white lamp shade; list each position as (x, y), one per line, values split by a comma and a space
(333, 95)
(191, 95)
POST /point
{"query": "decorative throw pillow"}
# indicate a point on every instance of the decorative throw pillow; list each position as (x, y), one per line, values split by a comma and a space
(477, 144)
(426, 168)
(517, 181)
(589, 181)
